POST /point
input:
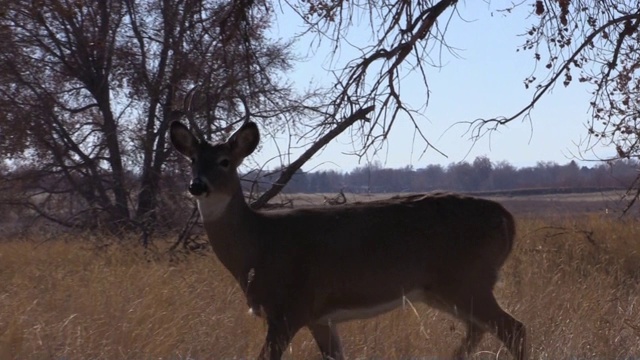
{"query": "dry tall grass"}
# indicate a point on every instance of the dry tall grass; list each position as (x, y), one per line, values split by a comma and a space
(574, 282)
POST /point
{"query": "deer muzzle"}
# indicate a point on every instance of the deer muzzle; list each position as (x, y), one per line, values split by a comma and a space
(197, 187)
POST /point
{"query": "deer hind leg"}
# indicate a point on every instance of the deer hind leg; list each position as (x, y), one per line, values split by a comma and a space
(482, 309)
(328, 341)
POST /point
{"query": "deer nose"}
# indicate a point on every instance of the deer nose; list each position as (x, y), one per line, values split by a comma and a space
(197, 187)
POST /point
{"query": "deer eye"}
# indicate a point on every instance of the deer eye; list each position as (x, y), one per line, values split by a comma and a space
(224, 163)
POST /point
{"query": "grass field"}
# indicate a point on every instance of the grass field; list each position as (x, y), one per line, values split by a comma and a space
(573, 280)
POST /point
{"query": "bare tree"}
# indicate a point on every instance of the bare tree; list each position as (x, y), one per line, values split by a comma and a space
(56, 90)
(593, 42)
(88, 89)
(403, 34)
(596, 43)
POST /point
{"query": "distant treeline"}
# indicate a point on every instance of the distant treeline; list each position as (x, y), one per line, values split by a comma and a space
(479, 175)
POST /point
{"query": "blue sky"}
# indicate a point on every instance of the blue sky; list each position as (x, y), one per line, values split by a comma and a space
(486, 80)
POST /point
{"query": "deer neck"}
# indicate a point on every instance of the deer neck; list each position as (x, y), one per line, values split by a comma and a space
(229, 223)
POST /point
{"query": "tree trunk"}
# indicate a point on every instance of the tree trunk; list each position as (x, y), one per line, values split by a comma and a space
(120, 214)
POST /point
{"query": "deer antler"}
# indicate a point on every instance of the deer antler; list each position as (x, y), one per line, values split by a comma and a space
(247, 115)
(188, 111)
(247, 112)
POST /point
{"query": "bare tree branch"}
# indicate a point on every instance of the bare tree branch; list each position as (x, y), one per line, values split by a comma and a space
(290, 170)
(477, 127)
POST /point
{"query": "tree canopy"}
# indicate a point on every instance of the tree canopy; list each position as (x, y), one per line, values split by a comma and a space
(88, 89)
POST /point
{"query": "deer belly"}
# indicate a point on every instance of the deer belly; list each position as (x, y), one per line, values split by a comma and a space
(357, 313)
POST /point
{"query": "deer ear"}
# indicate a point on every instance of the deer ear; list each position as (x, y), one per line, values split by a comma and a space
(183, 140)
(244, 141)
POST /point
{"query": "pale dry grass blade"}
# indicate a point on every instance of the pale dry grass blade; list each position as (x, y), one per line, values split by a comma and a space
(574, 282)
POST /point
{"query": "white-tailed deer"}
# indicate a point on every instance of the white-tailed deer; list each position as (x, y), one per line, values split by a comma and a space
(317, 267)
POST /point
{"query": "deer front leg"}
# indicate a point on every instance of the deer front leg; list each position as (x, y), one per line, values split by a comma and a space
(279, 335)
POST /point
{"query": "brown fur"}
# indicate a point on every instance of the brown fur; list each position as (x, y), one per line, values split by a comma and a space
(314, 266)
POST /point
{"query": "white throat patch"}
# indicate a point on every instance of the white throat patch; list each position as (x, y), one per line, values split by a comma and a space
(212, 206)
